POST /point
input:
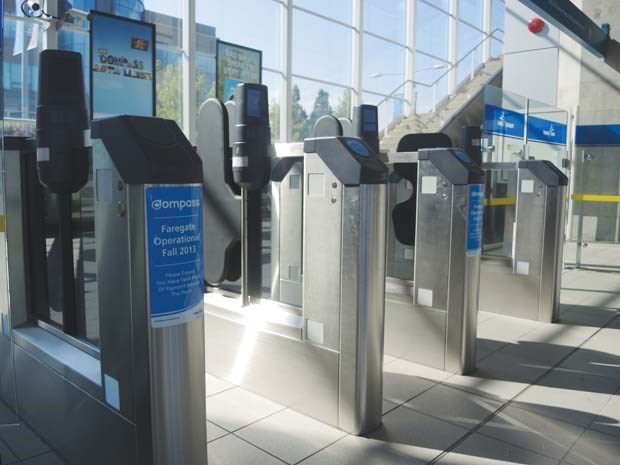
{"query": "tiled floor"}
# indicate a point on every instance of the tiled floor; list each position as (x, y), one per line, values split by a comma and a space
(542, 394)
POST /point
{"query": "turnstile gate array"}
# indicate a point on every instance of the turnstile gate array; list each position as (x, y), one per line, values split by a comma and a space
(525, 281)
(318, 346)
(431, 317)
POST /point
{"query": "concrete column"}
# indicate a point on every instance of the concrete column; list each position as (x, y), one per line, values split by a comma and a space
(286, 60)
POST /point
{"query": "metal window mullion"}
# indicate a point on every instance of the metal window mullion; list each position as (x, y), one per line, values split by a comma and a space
(50, 36)
(410, 59)
(319, 15)
(452, 44)
(486, 25)
(430, 55)
(357, 55)
(322, 81)
(189, 69)
(286, 62)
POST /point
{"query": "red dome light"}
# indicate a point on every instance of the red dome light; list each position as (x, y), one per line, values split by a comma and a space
(536, 25)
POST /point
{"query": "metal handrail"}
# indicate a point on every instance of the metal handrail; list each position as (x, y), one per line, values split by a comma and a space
(456, 64)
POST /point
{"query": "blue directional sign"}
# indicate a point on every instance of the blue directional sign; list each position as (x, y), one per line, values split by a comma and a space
(175, 260)
(498, 120)
(474, 219)
(543, 130)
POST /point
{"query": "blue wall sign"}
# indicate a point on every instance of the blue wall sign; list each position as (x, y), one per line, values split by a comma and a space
(474, 219)
(598, 134)
(498, 120)
(543, 130)
(174, 238)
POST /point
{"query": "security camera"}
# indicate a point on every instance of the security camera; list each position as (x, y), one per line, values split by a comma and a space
(34, 6)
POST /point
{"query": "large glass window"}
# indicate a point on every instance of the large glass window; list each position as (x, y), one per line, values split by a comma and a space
(321, 48)
(472, 11)
(22, 44)
(311, 100)
(432, 30)
(168, 66)
(384, 65)
(387, 18)
(272, 81)
(252, 23)
(339, 10)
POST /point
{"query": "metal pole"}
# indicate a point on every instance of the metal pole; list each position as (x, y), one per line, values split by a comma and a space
(434, 97)
(245, 294)
(581, 210)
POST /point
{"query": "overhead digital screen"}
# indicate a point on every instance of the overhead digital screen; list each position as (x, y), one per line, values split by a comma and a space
(235, 65)
(122, 66)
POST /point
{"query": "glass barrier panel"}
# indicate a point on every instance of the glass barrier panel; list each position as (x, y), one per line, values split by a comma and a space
(499, 211)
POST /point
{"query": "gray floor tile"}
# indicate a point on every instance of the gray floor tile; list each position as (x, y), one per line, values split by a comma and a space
(571, 397)
(46, 459)
(534, 432)
(609, 420)
(546, 354)
(230, 450)
(455, 406)
(214, 432)
(290, 436)
(401, 382)
(482, 384)
(506, 329)
(23, 441)
(6, 456)
(236, 408)
(388, 359)
(485, 347)
(586, 315)
(387, 406)
(605, 341)
(407, 427)
(594, 448)
(483, 450)
(593, 362)
(353, 450)
(216, 385)
(510, 365)
(560, 334)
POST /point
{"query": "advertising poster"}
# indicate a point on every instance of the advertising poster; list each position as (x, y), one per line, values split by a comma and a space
(236, 64)
(122, 66)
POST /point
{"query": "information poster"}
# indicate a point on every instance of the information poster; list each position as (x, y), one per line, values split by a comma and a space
(122, 66)
(236, 64)
(175, 259)
(474, 220)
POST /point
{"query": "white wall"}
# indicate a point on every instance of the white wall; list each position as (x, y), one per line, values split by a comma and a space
(530, 60)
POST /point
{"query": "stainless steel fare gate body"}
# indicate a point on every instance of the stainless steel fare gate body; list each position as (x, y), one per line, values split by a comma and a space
(317, 347)
(527, 283)
(153, 364)
(431, 318)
